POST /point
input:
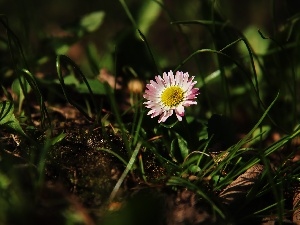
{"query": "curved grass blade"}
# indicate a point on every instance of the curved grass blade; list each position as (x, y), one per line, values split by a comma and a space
(190, 48)
(44, 112)
(222, 54)
(64, 59)
(128, 13)
(18, 62)
(12, 38)
(262, 105)
(149, 50)
(207, 24)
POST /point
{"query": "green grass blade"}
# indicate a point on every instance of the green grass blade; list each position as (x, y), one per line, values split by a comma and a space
(233, 150)
(116, 112)
(126, 171)
(149, 50)
(64, 59)
(44, 112)
(114, 154)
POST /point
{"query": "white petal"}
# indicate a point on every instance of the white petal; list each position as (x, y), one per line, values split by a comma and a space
(178, 117)
(166, 79)
(165, 116)
(172, 79)
(180, 110)
(179, 78)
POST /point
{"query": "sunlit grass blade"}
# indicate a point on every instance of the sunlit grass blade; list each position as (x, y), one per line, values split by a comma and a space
(126, 171)
(234, 149)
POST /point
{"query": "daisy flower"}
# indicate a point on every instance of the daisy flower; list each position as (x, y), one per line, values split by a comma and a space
(170, 93)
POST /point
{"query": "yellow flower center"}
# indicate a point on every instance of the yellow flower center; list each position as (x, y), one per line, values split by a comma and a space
(172, 96)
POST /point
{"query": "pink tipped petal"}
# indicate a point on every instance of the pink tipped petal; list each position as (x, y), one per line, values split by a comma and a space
(180, 110)
(160, 83)
(188, 103)
(154, 85)
(165, 116)
(191, 96)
